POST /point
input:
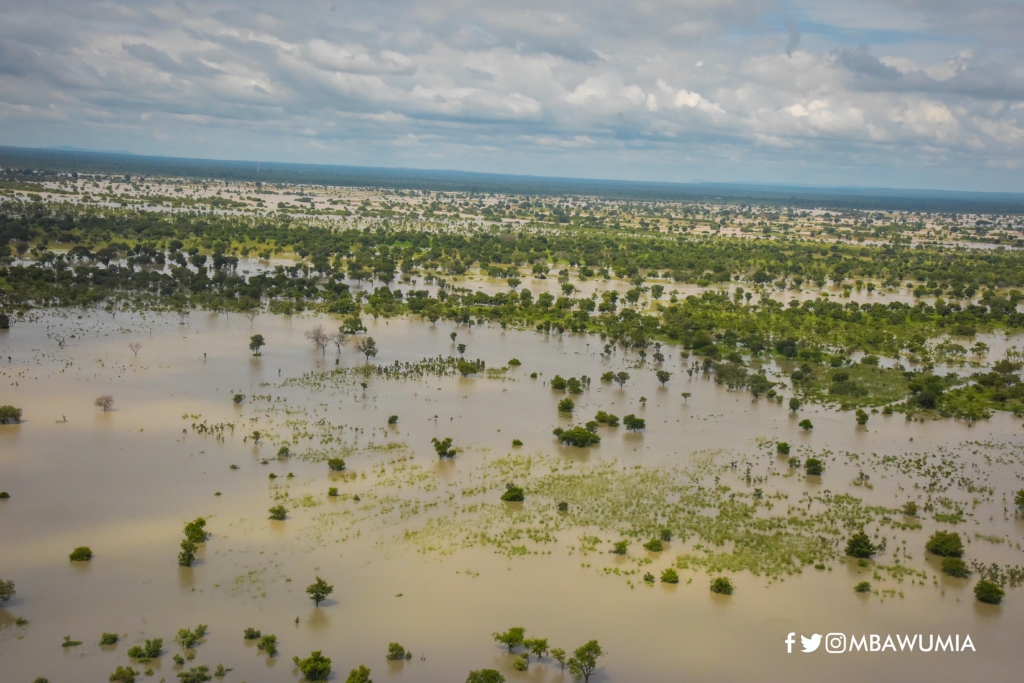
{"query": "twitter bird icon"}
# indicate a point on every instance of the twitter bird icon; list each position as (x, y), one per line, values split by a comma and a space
(811, 644)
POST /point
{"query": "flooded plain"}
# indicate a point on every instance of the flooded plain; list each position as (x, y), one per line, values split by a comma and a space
(422, 551)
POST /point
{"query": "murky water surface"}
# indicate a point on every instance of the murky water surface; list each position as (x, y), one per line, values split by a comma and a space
(408, 561)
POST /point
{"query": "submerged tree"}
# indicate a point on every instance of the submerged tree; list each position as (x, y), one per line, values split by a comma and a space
(583, 663)
(256, 343)
(316, 667)
(319, 590)
(367, 347)
(104, 402)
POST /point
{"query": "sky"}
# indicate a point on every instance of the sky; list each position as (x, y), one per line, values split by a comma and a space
(875, 93)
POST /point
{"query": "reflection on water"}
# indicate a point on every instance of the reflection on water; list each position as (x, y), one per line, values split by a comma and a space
(124, 482)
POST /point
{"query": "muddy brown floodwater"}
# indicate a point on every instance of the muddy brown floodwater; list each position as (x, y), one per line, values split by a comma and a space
(428, 556)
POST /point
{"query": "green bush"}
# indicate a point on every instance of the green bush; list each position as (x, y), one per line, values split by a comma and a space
(634, 423)
(522, 662)
(672, 576)
(863, 587)
(517, 442)
(945, 544)
(278, 512)
(722, 585)
(648, 577)
(989, 592)
(860, 545)
(654, 545)
(393, 420)
(187, 556)
(580, 437)
(563, 506)
(514, 361)
(251, 633)
(954, 566)
(332, 492)
(806, 425)
(151, 650)
(4, 494)
(124, 674)
(9, 414)
(485, 676)
(620, 547)
(566, 405)
(195, 531)
(395, 652)
(814, 467)
(81, 554)
(109, 639)
(910, 508)
(513, 494)
(782, 448)
(607, 419)
(268, 644)
(197, 674)
(336, 464)
(360, 675)
(6, 590)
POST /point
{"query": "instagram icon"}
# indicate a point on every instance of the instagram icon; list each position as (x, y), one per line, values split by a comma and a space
(835, 643)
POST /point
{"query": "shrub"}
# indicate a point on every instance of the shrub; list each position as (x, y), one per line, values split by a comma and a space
(620, 547)
(782, 448)
(485, 676)
(187, 556)
(954, 566)
(197, 674)
(195, 531)
(284, 452)
(563, 507)
(558, 383)
(670, 576)
(514, 361)
(945, 544)
(814, 466)
(9, 414)
(910, 509)
(395, 652)
(316, 667)
(251, 633)
(517, 442)
(360, 675)
(606, 419)
(124, 674)
(989, 592)
(443, 447)
(393, 420)
(336, 464)
(238, 398)
(863, 587)
(566, 405)
(268, 644)
(577, 436)
(513, 494)
(278, 512)
(1018, 500)
(81, 554)
(665, 534)
(634, 423)
(144, 653)
(654, 545)
(319, 590)
(4, 494)
(109, 639)
(648, 577)
(332, 492)
(522, 662)
(70, 643)
(6, 590)
(722, 585)
(860, 545)
(862, 417)
(806, 425)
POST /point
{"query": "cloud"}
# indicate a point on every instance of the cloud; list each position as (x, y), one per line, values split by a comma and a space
(825, 91)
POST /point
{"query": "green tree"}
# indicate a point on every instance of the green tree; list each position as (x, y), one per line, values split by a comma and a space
(583, 663)
(279, 513)
(634, 423)
(513, 494)
(806, 425)
(860, 545)
(316, 667)
(268, 644)
(256, 343)
(669, 575)
(722, 585)
(989, 592)
(511, 638)
(621, 378)
(485, 676)
(862, 417)
(794, 404)
(187, 556)
(319, 590)
(367, 347)
(443, 447)
(910, 508)
(945, 544)
(576, 436)
(663, 376)
(566, 405)
(814, 466)
(782, 448)
(558, 654)
(954, 566)
(396, 652)
(124, 674)
(537, 647)
(197, 674)
(9, 414)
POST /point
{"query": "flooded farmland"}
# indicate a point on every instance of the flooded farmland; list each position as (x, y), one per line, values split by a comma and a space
(422, 551)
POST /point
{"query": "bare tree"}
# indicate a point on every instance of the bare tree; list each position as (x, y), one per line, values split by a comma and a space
(61, 341)
(319, 338)
(135, 346)
(105, 402)
(251, 314)
(338, 339)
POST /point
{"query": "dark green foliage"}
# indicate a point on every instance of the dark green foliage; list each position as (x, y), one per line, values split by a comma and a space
(316, 667)
(806, 425)
(634, 423)
(251, 633)
(187, 556)
(221, 672)
(517, 442)
(665, 534)
(6, 590)
(332, 492)
(563, 507)
(511, 638)
(513, 494)
(283, 452)
(606, 419)
(862, 417)
(621, 378)
(70, 643)
(814, 467)
(669, 575)
(392, 419)
(583, 662)
(860, 545)
(655, 545)
(1018, 500)
(566, 405)
(278, 512)
(485, 676)
(910, 508)
(954, 566)
(268, 644)
(109, 639)
(80, 554)
(443, 447)
(794, 404)
(514, 362)
(4, 495)
(989, 592)
(238, 398)
(522, 662)
(620, 547)
(945, 544)
(722, 585)
(9, 414)
(782, 448)
(577, 436)
(256, 343)
(197, 674)
(195, 531)
(124, 674)
(360, 675)
(558, 383)
(336, 464)
(863, 587)
(188, 638)
(396, 652)
(663, 376)
(319, 590)
(144, 653)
